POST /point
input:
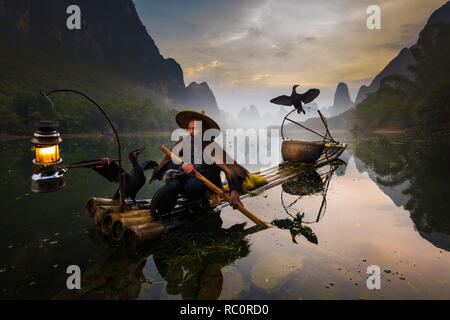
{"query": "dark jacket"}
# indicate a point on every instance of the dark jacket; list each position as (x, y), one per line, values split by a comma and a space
(234, 173)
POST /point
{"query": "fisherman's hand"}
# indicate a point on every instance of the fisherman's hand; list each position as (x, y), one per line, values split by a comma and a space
(106, 161)
(188, 168)
(234, 199)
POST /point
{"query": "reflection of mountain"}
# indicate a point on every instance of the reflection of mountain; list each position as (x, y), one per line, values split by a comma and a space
(396, 192)
(414, 175)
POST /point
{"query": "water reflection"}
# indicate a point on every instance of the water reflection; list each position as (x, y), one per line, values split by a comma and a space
(190, 261)
(41, 235)
(308, 184)
(415, 175)
(118, 277)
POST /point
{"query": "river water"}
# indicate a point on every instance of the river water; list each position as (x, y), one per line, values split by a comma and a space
(388, 207)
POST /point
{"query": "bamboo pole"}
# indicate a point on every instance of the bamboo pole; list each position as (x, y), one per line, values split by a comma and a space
(219, 191)
(281, 179)
(126, 222)
(271, 184)
(265, 171)
(281, 171)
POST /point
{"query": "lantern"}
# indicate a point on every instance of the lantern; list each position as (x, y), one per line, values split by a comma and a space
(47, 177)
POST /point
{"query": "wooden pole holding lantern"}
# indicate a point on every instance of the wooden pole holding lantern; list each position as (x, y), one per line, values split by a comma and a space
(122, 176)
(218, 191)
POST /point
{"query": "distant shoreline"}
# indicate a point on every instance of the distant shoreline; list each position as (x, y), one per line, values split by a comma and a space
(412, 131)
(443, 130)
(90, 135)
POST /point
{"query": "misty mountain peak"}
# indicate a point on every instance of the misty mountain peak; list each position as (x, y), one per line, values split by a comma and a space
(342, 101)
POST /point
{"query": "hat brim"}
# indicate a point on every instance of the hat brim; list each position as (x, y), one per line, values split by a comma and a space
(184, 117)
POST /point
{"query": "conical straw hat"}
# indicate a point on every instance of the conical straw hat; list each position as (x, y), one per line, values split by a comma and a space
(184, 117)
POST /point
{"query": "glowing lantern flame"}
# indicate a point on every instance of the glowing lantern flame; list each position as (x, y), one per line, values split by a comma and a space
(47, 155)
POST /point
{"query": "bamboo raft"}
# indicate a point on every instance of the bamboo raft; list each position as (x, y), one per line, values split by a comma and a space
(136, 226)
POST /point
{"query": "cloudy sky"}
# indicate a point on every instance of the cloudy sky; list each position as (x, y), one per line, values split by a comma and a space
(250, 51)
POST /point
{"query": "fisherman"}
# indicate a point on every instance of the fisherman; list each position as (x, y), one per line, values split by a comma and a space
(179, 178)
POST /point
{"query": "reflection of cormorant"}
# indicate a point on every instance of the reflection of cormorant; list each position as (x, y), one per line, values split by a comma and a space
(311, 182)
(296, 99)
(295, 227)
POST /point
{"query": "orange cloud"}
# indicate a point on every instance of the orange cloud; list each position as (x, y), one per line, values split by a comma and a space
(200, 67)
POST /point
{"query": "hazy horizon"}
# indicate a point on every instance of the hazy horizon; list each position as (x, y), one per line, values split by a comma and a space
(251, 51)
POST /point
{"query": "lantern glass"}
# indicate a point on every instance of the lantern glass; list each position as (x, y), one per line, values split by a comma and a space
(47, 155)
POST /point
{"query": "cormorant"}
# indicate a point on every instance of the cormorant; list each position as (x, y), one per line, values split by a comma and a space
(135, 180)
(296, 99)
(171, 174)
(111, 171)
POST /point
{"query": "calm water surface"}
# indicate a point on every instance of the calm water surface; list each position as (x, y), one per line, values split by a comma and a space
(388, 207)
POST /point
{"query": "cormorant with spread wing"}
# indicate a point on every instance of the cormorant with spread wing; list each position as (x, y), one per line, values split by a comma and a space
(111, 171)
(296, 99)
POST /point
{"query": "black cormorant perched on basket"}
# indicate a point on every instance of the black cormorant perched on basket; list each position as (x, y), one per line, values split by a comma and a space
(111, 171)
(296, 99)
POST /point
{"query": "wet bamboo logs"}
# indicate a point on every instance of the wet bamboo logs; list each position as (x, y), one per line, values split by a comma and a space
(125, 222)
(136, 235)
(103, 211)
(93, 203)
(108, 220)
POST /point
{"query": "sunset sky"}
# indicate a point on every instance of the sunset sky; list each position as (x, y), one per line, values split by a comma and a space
(251, 51)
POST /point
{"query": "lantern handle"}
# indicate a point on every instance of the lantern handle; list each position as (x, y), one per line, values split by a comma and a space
(48, 98)
(121, 182)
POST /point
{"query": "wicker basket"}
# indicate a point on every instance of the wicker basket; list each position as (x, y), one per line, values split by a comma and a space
(301, 151)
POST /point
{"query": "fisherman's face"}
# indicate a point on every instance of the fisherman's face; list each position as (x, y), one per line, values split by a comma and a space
(194, 129)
